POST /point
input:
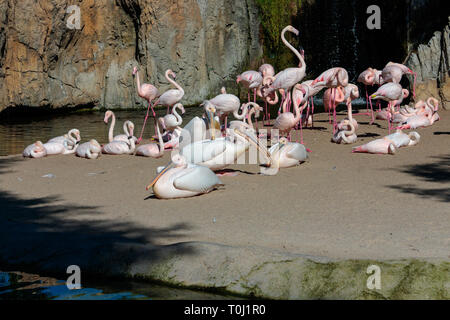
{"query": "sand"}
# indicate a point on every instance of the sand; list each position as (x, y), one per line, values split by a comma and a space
(337, 205)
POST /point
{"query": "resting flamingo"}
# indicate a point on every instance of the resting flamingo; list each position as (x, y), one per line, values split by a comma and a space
(153, 150)
(401, 139)
(73, 135)
(180, 179)
(119, 147)
(379, 146)
(128, 128)
(148, 92)
(89, 150)
(251, 80)
(35, 150)
(346, 133)
(284, 154)
(287, 78)
(247, 124)
(172, 96)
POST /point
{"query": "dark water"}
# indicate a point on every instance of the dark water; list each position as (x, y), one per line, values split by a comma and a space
(25, 286)
(18, 132)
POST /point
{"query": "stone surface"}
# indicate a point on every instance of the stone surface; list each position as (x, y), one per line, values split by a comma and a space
(44, 63)
(431, 62)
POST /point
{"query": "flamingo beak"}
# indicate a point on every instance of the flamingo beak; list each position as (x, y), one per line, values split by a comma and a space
(373, 96)
(163, 171)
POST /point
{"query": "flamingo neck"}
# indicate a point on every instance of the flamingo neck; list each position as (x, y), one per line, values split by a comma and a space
(173, 82)
(177, 116)
(301, 64)
(138, 84)
(111, 128)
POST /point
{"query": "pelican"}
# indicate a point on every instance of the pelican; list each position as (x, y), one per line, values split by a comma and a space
(180, 179)
(89, 150)
(199, 129)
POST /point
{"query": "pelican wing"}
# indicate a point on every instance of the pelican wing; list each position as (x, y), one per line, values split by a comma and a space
(297, 151)
(197, 179)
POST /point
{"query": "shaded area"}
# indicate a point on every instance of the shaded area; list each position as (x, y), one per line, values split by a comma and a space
(45, 234)
(436, 172)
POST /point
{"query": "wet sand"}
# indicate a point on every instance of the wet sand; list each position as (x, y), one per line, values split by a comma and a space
(338, 204)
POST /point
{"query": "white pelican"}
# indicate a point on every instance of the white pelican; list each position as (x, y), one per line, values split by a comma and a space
(89, 150)
(180, 179)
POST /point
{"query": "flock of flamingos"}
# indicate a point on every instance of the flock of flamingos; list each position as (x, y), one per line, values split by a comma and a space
(208, 144)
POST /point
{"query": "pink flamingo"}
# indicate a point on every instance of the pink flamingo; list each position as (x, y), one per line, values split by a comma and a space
(225, 104)
(148, 92)
(419, 120)
(267, 71)
(35, 150)
(251, 80)
(394, 94)
(351, 92)
(286, 120)
(312, 91)
(379, 146)
(332, 78)
(287, 78)
(153, 150)
(172, 96)
(393, 72)
(370, 77)
(332, 97)
(300, 98)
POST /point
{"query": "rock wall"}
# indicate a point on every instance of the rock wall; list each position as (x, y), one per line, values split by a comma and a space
(43, 63)
(432, 64)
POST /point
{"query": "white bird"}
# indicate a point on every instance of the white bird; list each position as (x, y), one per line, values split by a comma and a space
(74, 134)
(346, 133)
(89, 150)
(180, 179)
(284, 154)
(154, 150)
(35, 150)
(120, 147)
(128, 128)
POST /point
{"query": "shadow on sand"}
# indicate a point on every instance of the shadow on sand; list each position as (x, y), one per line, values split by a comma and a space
(436, 172)
(45, 235)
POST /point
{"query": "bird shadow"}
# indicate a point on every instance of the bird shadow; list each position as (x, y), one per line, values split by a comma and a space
(438, 133)
(368, 135)
(437, 171)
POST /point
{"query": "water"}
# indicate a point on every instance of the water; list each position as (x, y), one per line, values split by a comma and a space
(25, 286)
(17, 134)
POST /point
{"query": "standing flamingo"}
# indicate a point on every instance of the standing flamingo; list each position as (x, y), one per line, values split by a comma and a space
(332, 97)
(148, 92)
(370, 77)
(351, 92)
(394, 94)
(393, 72)
(287, 78)
(286, 120)
(172, 96)
(225, 104)
(251, 80)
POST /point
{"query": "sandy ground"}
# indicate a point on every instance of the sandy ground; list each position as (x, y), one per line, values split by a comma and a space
(338, 204)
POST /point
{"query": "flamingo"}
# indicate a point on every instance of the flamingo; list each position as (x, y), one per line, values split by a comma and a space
(419, 120)
(346, 133)
(54, 148)
(180, 179)
(351, 93)
(35, 150)
(287, 78)
(225, 104)
(270, 99)
(148, 92)
(286, 120)
(128, 128)
(284, 154)
(370, 77)
(332, 97)
(251, 80)
(119, 147)
(312, 91)
(153, 150)
(255, 110)
(401, 139)
(73, 133)
(172, 96)
(173, 120)
(394, 94)
(393, 72)
(379, 146)
(89, 150)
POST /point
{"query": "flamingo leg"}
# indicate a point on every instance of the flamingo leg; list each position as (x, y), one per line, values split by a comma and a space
(312, 112)
(145, 121)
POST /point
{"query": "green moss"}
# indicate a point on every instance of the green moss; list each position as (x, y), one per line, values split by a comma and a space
(274, 16)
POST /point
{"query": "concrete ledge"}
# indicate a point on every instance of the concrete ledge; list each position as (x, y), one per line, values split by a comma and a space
(254, 272)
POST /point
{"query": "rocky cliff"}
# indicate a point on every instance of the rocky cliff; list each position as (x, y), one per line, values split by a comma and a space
(431, 62)
(45, 63)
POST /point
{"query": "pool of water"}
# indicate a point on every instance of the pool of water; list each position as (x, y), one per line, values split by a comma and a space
(18, 132)
(16, 285)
